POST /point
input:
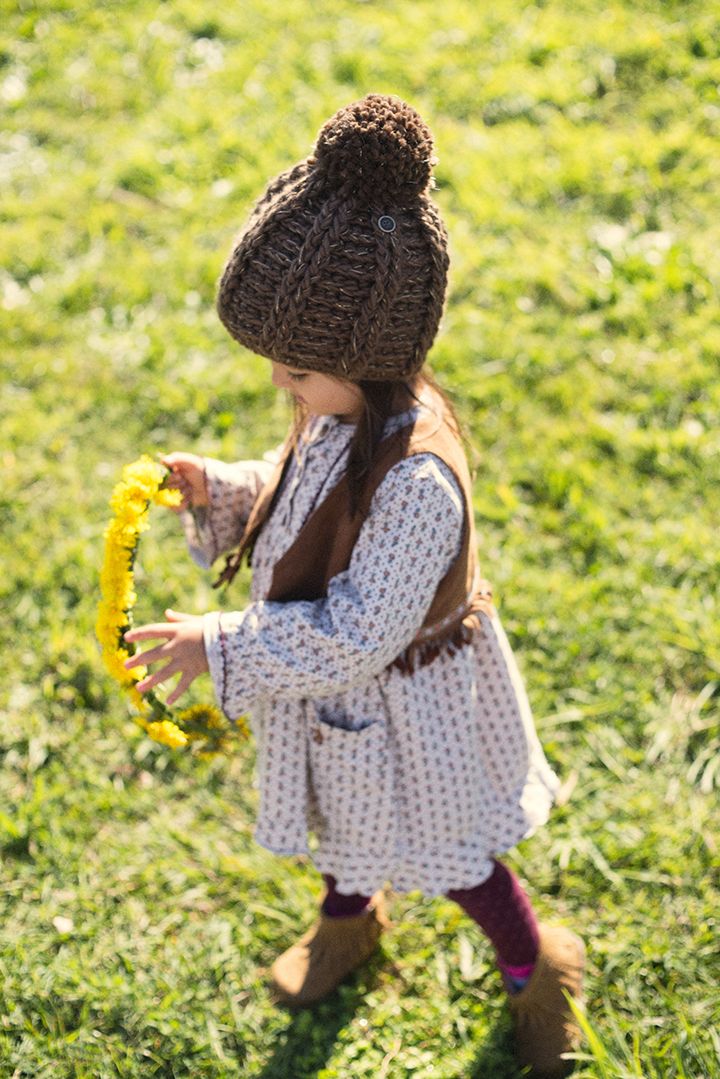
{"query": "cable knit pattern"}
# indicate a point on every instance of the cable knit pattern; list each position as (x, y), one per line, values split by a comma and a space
(415, 779)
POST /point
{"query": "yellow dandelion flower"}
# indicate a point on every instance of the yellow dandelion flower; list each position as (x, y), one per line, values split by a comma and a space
(168, 496)
(203, 716)
(167, 732)
(139, 701)
(140, 486)
(241, 728)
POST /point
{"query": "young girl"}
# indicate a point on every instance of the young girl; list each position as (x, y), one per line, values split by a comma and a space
(389, 714)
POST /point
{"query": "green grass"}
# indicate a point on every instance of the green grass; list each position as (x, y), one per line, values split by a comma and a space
(577, 174)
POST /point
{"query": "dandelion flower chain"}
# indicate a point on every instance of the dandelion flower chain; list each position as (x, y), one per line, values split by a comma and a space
(141, 486)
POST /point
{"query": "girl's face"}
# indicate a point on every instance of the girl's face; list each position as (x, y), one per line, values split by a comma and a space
(322, 395)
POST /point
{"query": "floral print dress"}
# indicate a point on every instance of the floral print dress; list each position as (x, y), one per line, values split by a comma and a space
(416, 779)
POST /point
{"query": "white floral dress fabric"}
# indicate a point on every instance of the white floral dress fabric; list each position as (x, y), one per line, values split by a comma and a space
(413, 779)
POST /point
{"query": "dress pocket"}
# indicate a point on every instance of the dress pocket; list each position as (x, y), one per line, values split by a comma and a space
(350, 778)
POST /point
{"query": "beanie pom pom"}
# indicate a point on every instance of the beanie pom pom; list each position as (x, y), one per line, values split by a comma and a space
(376, 150)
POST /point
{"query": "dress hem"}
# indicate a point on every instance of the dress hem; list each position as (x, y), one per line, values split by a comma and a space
(405, 880)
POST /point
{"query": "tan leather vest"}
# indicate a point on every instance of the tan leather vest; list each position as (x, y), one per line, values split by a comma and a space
(324, 545)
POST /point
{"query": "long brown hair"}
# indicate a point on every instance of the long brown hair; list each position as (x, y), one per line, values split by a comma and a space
(381, 400)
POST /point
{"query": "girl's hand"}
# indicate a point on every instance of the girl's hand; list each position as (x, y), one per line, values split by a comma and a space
(184, 649)
(188, 475)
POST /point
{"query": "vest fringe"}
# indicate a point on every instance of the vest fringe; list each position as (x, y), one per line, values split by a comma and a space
(421, 653)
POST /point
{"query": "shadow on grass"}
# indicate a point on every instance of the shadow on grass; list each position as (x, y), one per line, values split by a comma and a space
(496, 1057)
(306, 1044)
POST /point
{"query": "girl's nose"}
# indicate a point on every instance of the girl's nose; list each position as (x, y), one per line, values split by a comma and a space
(278, 375)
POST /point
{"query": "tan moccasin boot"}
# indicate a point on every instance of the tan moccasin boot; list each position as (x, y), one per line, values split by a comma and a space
(545, 1027)
(330, 950)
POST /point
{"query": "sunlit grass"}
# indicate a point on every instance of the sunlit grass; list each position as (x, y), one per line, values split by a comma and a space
(577, 174)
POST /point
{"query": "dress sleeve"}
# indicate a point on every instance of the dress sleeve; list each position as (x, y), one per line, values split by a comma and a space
(232, 489)
(372, 610)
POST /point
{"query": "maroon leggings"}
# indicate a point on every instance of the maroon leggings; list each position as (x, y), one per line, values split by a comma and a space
(498, 905)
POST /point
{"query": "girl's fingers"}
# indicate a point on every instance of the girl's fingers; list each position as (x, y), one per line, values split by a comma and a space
(180, 688)
(155, 679)
(141, 659)
(178, 616)
(176, 483)
(146, 633)
(177, 462)
(173, 460)
(176, 479)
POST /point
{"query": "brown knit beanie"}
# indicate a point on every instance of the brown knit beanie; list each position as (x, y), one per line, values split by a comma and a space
(342, 266)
